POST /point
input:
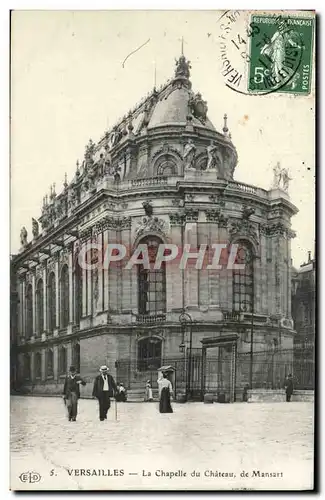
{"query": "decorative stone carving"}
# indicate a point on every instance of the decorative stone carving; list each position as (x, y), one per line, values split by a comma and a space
(198, 107)
(72, 196)
(281, 176)
(285, 179)
(177, 219)
(215, 215)
(212, 162)
(189, 197)
(243, 228)
(182, 68)
(85, 234)
(23, 236)
(191, 215)
(178, 203)
(151, 224)
(35, 228)
(189, 155)
(277, 174)
(148, 208)
(109, 222)
(247, 212)
(277, 229)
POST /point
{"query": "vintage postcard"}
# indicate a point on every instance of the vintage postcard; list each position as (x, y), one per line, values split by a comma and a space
(162, 255)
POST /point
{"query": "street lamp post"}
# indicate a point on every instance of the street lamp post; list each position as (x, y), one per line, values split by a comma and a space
(184, 319)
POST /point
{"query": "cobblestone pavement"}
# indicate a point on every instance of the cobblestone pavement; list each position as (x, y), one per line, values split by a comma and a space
(198, 440)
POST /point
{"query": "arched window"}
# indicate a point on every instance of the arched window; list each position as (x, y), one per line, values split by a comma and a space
(39, 307)
(29, 311)
(77, 292)
(27, 367)
(64, 296)
(38, 365)
(152, 282)
(149, 354)
(76, 356)
(49, 364)
(51, 300)
(243, 284)
(62, 360)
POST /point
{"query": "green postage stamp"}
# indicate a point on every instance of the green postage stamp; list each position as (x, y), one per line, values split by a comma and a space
(280, 58)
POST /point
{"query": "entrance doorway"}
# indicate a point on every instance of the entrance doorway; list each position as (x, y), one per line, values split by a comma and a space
(219, 367)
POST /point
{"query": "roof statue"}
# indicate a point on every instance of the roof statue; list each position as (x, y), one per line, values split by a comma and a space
(182, 68)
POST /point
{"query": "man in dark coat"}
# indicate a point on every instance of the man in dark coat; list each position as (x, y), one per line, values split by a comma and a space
(71, 393)
(104, 389)
(288, 385)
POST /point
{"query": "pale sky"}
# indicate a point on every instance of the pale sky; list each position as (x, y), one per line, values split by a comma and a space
(68, 85)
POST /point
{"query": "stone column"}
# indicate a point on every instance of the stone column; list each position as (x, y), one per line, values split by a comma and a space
(23, 308)
(112, 275)
(69, 354)
(34, 303)
(84, 273)
(289, 278)
(264, 274)
(191, 281)
(89, 289)
(71, 308)
(43, 374)
(105, 273)
(126, 274)
(225, 275)
(100, 297)
(175, 276)
(44, 299)
(56, 363)
(57, 292)
(203, 273)
(32, 366)
(19, 309)
(213, 274)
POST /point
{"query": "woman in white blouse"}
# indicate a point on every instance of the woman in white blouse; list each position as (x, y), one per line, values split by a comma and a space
(165, 392)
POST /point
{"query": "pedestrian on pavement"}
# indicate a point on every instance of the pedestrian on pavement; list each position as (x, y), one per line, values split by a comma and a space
(288, 385)
(165, 392)
(148, 392)
(121, 394)
(104, 389)
(71, 393)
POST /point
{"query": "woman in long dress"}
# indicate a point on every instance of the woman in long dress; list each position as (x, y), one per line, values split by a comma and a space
(148, 392)
(165, 391)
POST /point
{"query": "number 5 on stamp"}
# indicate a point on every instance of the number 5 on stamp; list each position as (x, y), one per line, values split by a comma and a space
(281, 49)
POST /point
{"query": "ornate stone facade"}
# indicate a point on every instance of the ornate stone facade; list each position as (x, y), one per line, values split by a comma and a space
(163, 173)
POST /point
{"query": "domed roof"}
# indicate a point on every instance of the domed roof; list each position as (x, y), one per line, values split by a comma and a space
(173, 108)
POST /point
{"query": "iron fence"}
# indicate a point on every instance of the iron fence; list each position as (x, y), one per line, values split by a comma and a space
(218, 373)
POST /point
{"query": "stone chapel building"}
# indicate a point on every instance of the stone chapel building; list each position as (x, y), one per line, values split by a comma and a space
(163, 174)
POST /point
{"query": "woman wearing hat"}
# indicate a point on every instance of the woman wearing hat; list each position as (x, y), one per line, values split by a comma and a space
(71, 393)
(165, 392)
(104, 389)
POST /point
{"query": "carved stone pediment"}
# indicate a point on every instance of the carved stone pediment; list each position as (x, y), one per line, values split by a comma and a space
(151, 224)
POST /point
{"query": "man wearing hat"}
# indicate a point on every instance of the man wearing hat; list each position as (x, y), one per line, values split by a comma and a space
(104, 389)
(71, 392)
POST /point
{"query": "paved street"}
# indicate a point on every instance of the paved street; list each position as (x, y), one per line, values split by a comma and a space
(208, 439)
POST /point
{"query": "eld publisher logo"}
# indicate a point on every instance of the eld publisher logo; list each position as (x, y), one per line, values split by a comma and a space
(30, 477)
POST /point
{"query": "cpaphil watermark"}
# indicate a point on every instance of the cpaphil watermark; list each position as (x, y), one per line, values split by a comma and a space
(216, 256)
